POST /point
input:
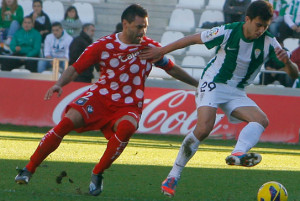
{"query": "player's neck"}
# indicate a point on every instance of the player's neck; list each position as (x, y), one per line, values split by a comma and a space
(122, 37)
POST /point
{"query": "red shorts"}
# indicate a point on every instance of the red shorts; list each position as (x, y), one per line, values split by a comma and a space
(100, 115)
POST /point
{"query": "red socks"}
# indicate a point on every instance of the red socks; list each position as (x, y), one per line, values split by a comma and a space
(115, 146)
(49, 143)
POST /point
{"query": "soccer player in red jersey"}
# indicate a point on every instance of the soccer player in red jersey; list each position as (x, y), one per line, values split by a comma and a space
(114, 103)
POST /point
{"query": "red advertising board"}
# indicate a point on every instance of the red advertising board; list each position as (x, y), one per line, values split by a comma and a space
(166, 111)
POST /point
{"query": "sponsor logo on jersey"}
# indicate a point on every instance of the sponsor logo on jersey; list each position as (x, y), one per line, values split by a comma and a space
(90, 109)
(81, 101)
(129, 56)
(212, 32)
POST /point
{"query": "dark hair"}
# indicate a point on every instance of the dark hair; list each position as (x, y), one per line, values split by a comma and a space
(119, 27)
(69, 9)
(39, 1)
(28, 17)
(260, 8)
(56, 24)
(132, 11)
(86, 25)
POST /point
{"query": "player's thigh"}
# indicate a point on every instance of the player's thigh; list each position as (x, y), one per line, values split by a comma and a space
(251, 114)
(129, 118)
(75, 117)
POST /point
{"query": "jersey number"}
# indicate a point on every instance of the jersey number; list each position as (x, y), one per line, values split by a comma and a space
(210, 85)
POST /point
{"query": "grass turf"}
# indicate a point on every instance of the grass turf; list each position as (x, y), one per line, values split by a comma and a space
(137, 174)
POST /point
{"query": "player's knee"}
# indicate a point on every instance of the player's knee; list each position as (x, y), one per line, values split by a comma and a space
(125, 130)
(264, 121)
(201, 132)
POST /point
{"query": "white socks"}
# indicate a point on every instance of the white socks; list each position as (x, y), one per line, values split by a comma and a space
(249, 137)
(187, 150)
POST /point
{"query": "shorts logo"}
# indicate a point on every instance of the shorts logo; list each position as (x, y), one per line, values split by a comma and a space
(81, 101)
(90, 109)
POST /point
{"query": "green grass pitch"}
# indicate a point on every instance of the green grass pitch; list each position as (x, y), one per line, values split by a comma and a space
(137, 174)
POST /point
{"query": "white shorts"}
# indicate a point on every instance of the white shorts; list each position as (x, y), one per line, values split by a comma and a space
(223, 96)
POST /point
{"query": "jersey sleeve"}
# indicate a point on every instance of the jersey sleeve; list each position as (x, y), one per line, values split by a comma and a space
(165, 64)
(89, 57)
(272, 55)
(213, 37)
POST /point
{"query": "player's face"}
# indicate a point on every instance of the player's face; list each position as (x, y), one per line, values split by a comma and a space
(254, 28)
(136, 30)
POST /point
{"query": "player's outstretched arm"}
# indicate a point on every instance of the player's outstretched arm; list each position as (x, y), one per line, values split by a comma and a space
(68, 75)
(290, 67)
(157, 52)
(179, 74)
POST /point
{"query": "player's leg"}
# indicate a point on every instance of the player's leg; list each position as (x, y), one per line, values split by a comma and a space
(206, 118)
(123, 130)
(50, 143)
(249, 136)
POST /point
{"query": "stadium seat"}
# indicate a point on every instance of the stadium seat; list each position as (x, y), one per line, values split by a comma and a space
(291, 43)
(171, 36)
(54, 9)
(211, 16)
(85, 12)
(159, 73)
(26, 5)
(88, 1)
(215, 5)
(200, 50)
(193, 61)
(194, 64)
(191, 4)
(182, 20)
(171, 57)
(20, 70)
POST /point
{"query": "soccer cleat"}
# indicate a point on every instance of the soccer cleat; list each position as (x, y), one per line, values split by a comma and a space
(247, 160)
(168, 186)
(96, 185)
(23, 177)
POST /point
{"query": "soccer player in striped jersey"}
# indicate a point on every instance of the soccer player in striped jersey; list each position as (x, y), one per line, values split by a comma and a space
(242, 48)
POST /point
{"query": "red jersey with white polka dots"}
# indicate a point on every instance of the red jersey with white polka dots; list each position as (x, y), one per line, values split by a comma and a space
(123, 73)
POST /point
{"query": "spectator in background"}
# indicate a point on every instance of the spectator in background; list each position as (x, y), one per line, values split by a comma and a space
(234, 10)
(291, 26)
(25, 42)
(41, 20)
(279, 7)
(77, 46)
(269, 78)
(295, 57)
(119, 28)
(71, 23)
(11, 17)
(56, 46)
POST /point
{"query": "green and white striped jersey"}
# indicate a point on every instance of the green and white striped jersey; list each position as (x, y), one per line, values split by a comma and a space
(279, 7)
(238, 60)
(292, 15)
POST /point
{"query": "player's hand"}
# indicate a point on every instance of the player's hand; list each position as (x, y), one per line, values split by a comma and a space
(282, 55)
(153, 53)
(54, 89)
